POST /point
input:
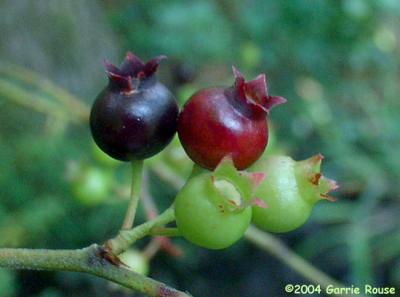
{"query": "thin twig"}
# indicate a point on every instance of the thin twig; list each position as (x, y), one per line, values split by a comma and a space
(150, 207)
(88, 260)
(72, 103)
(278, 249)
(33, 102)
(167, 175)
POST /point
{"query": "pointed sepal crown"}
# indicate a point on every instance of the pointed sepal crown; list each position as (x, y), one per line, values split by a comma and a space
(255, 92)
(315, 185)
(236, 188)
(127, 77)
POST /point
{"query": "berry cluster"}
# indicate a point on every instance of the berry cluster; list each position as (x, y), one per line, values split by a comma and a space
(224, 131)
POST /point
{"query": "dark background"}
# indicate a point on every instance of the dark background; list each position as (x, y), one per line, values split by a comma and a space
(337, 63)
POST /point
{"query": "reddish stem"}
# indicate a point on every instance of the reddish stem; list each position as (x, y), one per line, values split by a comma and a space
(157, 242)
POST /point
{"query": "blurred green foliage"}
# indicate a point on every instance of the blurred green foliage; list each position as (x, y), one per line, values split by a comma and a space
(337, 63)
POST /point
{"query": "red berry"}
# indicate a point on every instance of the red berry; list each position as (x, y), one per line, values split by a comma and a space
(216, 122)
(135, 116)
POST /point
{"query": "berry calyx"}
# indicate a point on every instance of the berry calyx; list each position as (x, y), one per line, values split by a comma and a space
(290, 189)
(255, 92)
(135, 116)
(128, 77)
(216, 122)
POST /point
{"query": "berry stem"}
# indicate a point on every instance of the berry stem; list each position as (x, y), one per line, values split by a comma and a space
(137, 169)
(126, 238)
(164, 231)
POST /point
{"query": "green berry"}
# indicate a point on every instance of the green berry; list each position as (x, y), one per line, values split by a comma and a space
(290, 190)
(91, 186)
(213, 208)
(136, 261)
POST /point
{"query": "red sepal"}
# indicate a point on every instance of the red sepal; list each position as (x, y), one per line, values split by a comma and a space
(255, 92)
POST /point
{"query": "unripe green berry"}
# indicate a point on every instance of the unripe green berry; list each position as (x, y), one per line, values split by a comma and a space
(91, 185)
(213, 209)
(290, 190)
(136, 261)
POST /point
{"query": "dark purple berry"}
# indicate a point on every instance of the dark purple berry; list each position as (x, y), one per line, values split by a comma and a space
(135, 116)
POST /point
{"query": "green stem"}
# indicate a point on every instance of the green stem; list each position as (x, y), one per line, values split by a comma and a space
(278, 249)
(88, 260)
(126, 238)
(137, 168)
(163, 231)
